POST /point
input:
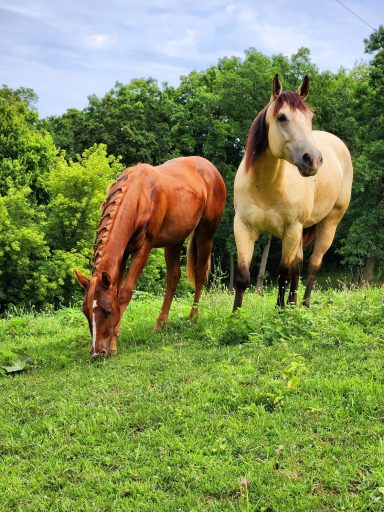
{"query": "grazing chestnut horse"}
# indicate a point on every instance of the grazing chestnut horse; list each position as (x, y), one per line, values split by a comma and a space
(151, 207)
(294, 183)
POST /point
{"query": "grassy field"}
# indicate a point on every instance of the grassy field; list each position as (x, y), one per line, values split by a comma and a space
(259, 411)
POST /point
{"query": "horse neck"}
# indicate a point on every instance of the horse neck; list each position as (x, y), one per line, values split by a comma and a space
(268, 170)
(115, 249)
(116, 228)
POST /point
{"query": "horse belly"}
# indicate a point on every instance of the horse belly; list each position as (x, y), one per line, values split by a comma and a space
(325, 197)
(180, 220)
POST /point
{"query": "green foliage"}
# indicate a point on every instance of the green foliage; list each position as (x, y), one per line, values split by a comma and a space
(26, 150)
(133, 120)
(365, 237)
(23, 249)
(208, 114)
(178, 421)
(237, 330)
(76, 191)
(41, 245)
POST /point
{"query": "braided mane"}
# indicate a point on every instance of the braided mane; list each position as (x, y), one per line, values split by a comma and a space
(109, 210)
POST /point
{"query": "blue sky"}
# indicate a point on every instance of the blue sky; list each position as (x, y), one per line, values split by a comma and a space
(67, 49)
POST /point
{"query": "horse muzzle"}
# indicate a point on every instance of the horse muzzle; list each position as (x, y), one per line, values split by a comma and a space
(308, 165)
(101, 350)
(99, 355)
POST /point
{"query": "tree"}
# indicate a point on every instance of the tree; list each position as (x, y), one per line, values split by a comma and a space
(364, 242)
(22, 249)
(26, 149)
(132, 120)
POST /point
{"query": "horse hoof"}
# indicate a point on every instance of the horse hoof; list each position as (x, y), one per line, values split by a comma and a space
(159, 325)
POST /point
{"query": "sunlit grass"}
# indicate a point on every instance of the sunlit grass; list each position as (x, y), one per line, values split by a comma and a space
(261, 411)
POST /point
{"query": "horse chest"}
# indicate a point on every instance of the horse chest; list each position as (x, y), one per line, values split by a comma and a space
(264, 212)
(262, 217)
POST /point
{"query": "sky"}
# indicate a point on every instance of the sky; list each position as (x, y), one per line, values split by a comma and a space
(66, 50)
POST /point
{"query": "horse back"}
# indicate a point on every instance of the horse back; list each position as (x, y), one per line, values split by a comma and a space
(190, 190)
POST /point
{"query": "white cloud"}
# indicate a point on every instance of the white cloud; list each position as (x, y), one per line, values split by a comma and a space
(230, 9)
(178, 47)
(98, 41)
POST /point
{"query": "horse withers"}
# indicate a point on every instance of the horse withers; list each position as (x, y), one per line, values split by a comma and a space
(151, 207)
(294, 183)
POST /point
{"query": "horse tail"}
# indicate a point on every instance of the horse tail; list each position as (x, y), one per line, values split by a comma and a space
(192, 258)
(309, 235)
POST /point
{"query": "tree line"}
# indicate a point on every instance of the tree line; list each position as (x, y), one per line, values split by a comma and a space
(54, 172)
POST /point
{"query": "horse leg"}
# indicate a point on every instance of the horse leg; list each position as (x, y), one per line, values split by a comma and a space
(172, 260)
(325, 233)
(116, 331)
(138, 260)
(291, 244)
(204, 249)
(296, 271)
(245, 244)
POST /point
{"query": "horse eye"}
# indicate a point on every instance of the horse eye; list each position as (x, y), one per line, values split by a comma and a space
(281, 118)
(106, 311)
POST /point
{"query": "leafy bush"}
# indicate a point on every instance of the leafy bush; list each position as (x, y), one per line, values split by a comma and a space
(23, 249)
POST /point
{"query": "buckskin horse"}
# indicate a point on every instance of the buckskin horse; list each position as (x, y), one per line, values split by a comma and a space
(151, 207)
(294, 183)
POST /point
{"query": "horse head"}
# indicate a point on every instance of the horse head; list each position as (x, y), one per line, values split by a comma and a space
(289, 122)
(102, 309)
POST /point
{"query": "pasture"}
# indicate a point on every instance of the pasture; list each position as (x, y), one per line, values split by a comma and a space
(260, 411)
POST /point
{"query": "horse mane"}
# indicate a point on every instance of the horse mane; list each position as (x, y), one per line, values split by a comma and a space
(109, 210)
(258, 135)
(257, 139)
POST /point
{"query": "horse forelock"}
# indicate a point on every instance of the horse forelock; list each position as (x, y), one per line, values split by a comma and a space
(109, 210)
(292, 99)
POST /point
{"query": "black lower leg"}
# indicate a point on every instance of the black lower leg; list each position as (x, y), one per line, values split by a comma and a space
(242, 279)
(312, 273)
(282, 282)
(292, 298)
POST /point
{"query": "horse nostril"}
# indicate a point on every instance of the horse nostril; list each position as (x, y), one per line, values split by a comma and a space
(307, 158)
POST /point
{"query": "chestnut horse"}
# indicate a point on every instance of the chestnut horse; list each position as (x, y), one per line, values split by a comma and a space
(151, 207)
(294, 183)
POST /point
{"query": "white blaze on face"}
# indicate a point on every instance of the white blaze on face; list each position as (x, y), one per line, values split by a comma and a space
(94, 304)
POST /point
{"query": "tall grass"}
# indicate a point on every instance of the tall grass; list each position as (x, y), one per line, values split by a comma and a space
(258, 411)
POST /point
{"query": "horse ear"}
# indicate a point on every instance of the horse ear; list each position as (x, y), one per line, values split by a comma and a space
(303, 90)
(83, 281)
(105, 280)
(276, 87)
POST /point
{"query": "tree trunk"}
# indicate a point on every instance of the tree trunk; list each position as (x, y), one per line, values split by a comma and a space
(263, 265)
(367, 275)
(231, 272)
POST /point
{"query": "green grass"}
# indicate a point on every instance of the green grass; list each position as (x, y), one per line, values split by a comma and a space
(260, 411)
